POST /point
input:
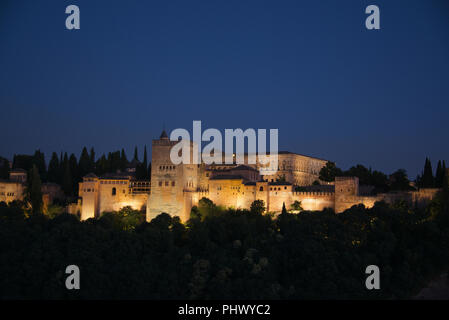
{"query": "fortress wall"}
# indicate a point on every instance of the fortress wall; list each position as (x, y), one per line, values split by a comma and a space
(10, 191)
(420, 197)
(277, 196)
(424, 196)
(346, 193)
(227, 193)
(74, 208)
(346, 202)
(313, 200)
(261, 193)
(248, 197)
(109, 202)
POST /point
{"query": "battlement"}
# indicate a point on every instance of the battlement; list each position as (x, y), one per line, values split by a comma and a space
(313, 193)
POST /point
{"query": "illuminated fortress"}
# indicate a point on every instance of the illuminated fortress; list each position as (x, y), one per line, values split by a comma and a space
(175, 189)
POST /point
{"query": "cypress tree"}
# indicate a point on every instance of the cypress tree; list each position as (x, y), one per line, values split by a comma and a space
(439, 175)
(67, 185)
(4, 168)
(102, 166)
(427, 177)
(92, 159)
(84, 164)
(74, 173)
(35, 190)
(123, 160)
(145, 163)
(284, 210)
(53, 168)
(135, 154)
(39, 161)
(115, 161)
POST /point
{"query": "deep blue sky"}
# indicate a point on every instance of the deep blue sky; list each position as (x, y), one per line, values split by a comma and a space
(310, 68)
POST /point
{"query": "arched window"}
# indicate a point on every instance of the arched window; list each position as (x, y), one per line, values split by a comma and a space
(261, 189)
(114, 191)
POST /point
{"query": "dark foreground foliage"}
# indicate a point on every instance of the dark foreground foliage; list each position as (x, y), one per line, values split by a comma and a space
(230, 255)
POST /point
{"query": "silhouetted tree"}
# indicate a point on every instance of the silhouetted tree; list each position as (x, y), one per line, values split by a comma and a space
(4, 168)
(427, 180)
(92, 160)
(439, 175)
(296, 206)
(34, 191)
(145, 163)
(258, 206)
(67, 184)
(399, 180)
(54, 169)
(39, 162)
(123, 160)
(84, 165)
(101, 167)
(284, 210)
(329, 172)
(136, 157)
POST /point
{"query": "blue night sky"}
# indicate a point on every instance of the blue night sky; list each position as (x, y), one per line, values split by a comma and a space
(333, 88)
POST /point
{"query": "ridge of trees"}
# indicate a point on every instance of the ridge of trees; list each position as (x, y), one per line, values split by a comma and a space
(226, 254)
(397, 181)
(67, 171)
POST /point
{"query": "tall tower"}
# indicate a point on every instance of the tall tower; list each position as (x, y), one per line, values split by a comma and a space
(346, 192)
(172, 186)
(88, 191)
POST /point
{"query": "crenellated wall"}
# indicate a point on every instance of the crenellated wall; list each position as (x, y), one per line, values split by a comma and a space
(315, 200)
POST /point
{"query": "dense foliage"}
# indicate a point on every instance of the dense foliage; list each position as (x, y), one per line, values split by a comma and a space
(397, 181)
(225, 254)
(68, 171)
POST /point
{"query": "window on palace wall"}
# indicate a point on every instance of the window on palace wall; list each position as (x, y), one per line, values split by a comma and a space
(261, 189)
(114, 191)
(160, 183)
(172, 183)
(166, 183)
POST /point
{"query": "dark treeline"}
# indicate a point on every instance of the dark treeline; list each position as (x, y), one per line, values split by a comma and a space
(4, 168)
(397, 181)
(225, 254)
(427, 180)
(68, 171)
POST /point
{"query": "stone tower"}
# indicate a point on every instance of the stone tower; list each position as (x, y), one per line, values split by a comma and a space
(172, 186)
(89, 194)
(346, 192)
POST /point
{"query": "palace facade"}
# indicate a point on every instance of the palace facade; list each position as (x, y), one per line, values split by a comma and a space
(175, 189)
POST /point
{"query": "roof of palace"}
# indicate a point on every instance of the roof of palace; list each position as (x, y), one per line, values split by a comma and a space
(243, 167)
(228, 177)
